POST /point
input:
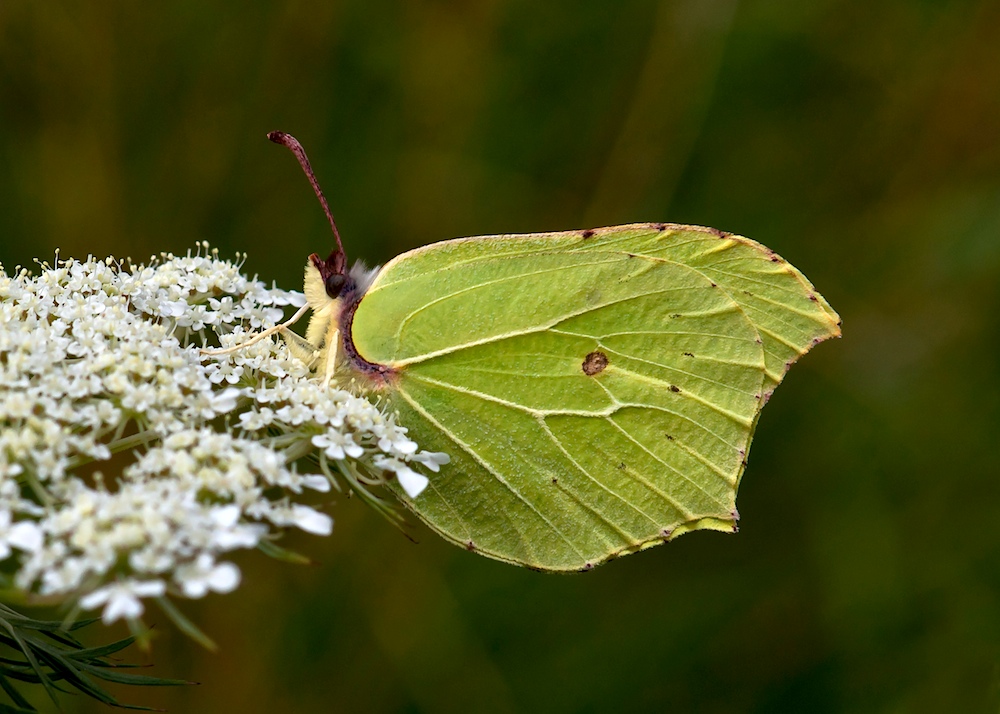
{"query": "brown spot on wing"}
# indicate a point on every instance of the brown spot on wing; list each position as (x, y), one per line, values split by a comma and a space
(594, 362)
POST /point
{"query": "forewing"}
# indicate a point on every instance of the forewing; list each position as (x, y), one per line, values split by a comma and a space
(561, 458)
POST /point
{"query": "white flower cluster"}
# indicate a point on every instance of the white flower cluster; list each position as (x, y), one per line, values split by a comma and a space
(99, 358)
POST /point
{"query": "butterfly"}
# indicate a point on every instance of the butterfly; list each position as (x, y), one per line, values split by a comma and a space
(597, 390)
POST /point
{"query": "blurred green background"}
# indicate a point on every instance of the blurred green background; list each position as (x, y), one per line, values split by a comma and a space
(860, 140)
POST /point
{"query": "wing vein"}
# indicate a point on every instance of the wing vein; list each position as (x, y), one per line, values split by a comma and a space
(688, 514)
(681, 371)
(496, 475)
(628, 536)
(617, 406)
(520, 333)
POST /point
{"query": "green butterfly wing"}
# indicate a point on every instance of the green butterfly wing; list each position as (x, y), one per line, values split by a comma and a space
(597, 390)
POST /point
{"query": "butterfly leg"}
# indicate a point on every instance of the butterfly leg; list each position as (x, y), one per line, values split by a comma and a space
(300, 347)
(283, 328)
(332, 345)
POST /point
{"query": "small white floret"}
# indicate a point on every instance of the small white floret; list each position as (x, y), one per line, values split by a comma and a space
(122, 599)
(412, 482)
(311, 521)
(204, 575)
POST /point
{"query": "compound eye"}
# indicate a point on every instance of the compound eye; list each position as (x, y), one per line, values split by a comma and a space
(335, 284)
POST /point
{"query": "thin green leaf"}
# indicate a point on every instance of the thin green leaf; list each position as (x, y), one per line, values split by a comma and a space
(64, 639)
(270, 548)
(15, 695)
(71, 672)
(111, 675)
(28, 655)
(102, 651)
(23, 674)
(29, 623)
(384, 508)
(7, 709)
(185, 625)
(61, 663)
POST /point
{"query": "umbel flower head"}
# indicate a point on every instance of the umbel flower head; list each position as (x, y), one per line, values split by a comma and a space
(101, 357)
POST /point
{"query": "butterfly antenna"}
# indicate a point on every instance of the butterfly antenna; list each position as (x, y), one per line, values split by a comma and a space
(293, 145)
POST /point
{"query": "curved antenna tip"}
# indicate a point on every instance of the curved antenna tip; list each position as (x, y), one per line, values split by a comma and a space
(292, 144)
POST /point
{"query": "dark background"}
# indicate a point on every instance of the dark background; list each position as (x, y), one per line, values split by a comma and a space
(860, 140)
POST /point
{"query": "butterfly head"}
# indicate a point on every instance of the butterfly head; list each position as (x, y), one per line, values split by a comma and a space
(327, 280)
(331, 272)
